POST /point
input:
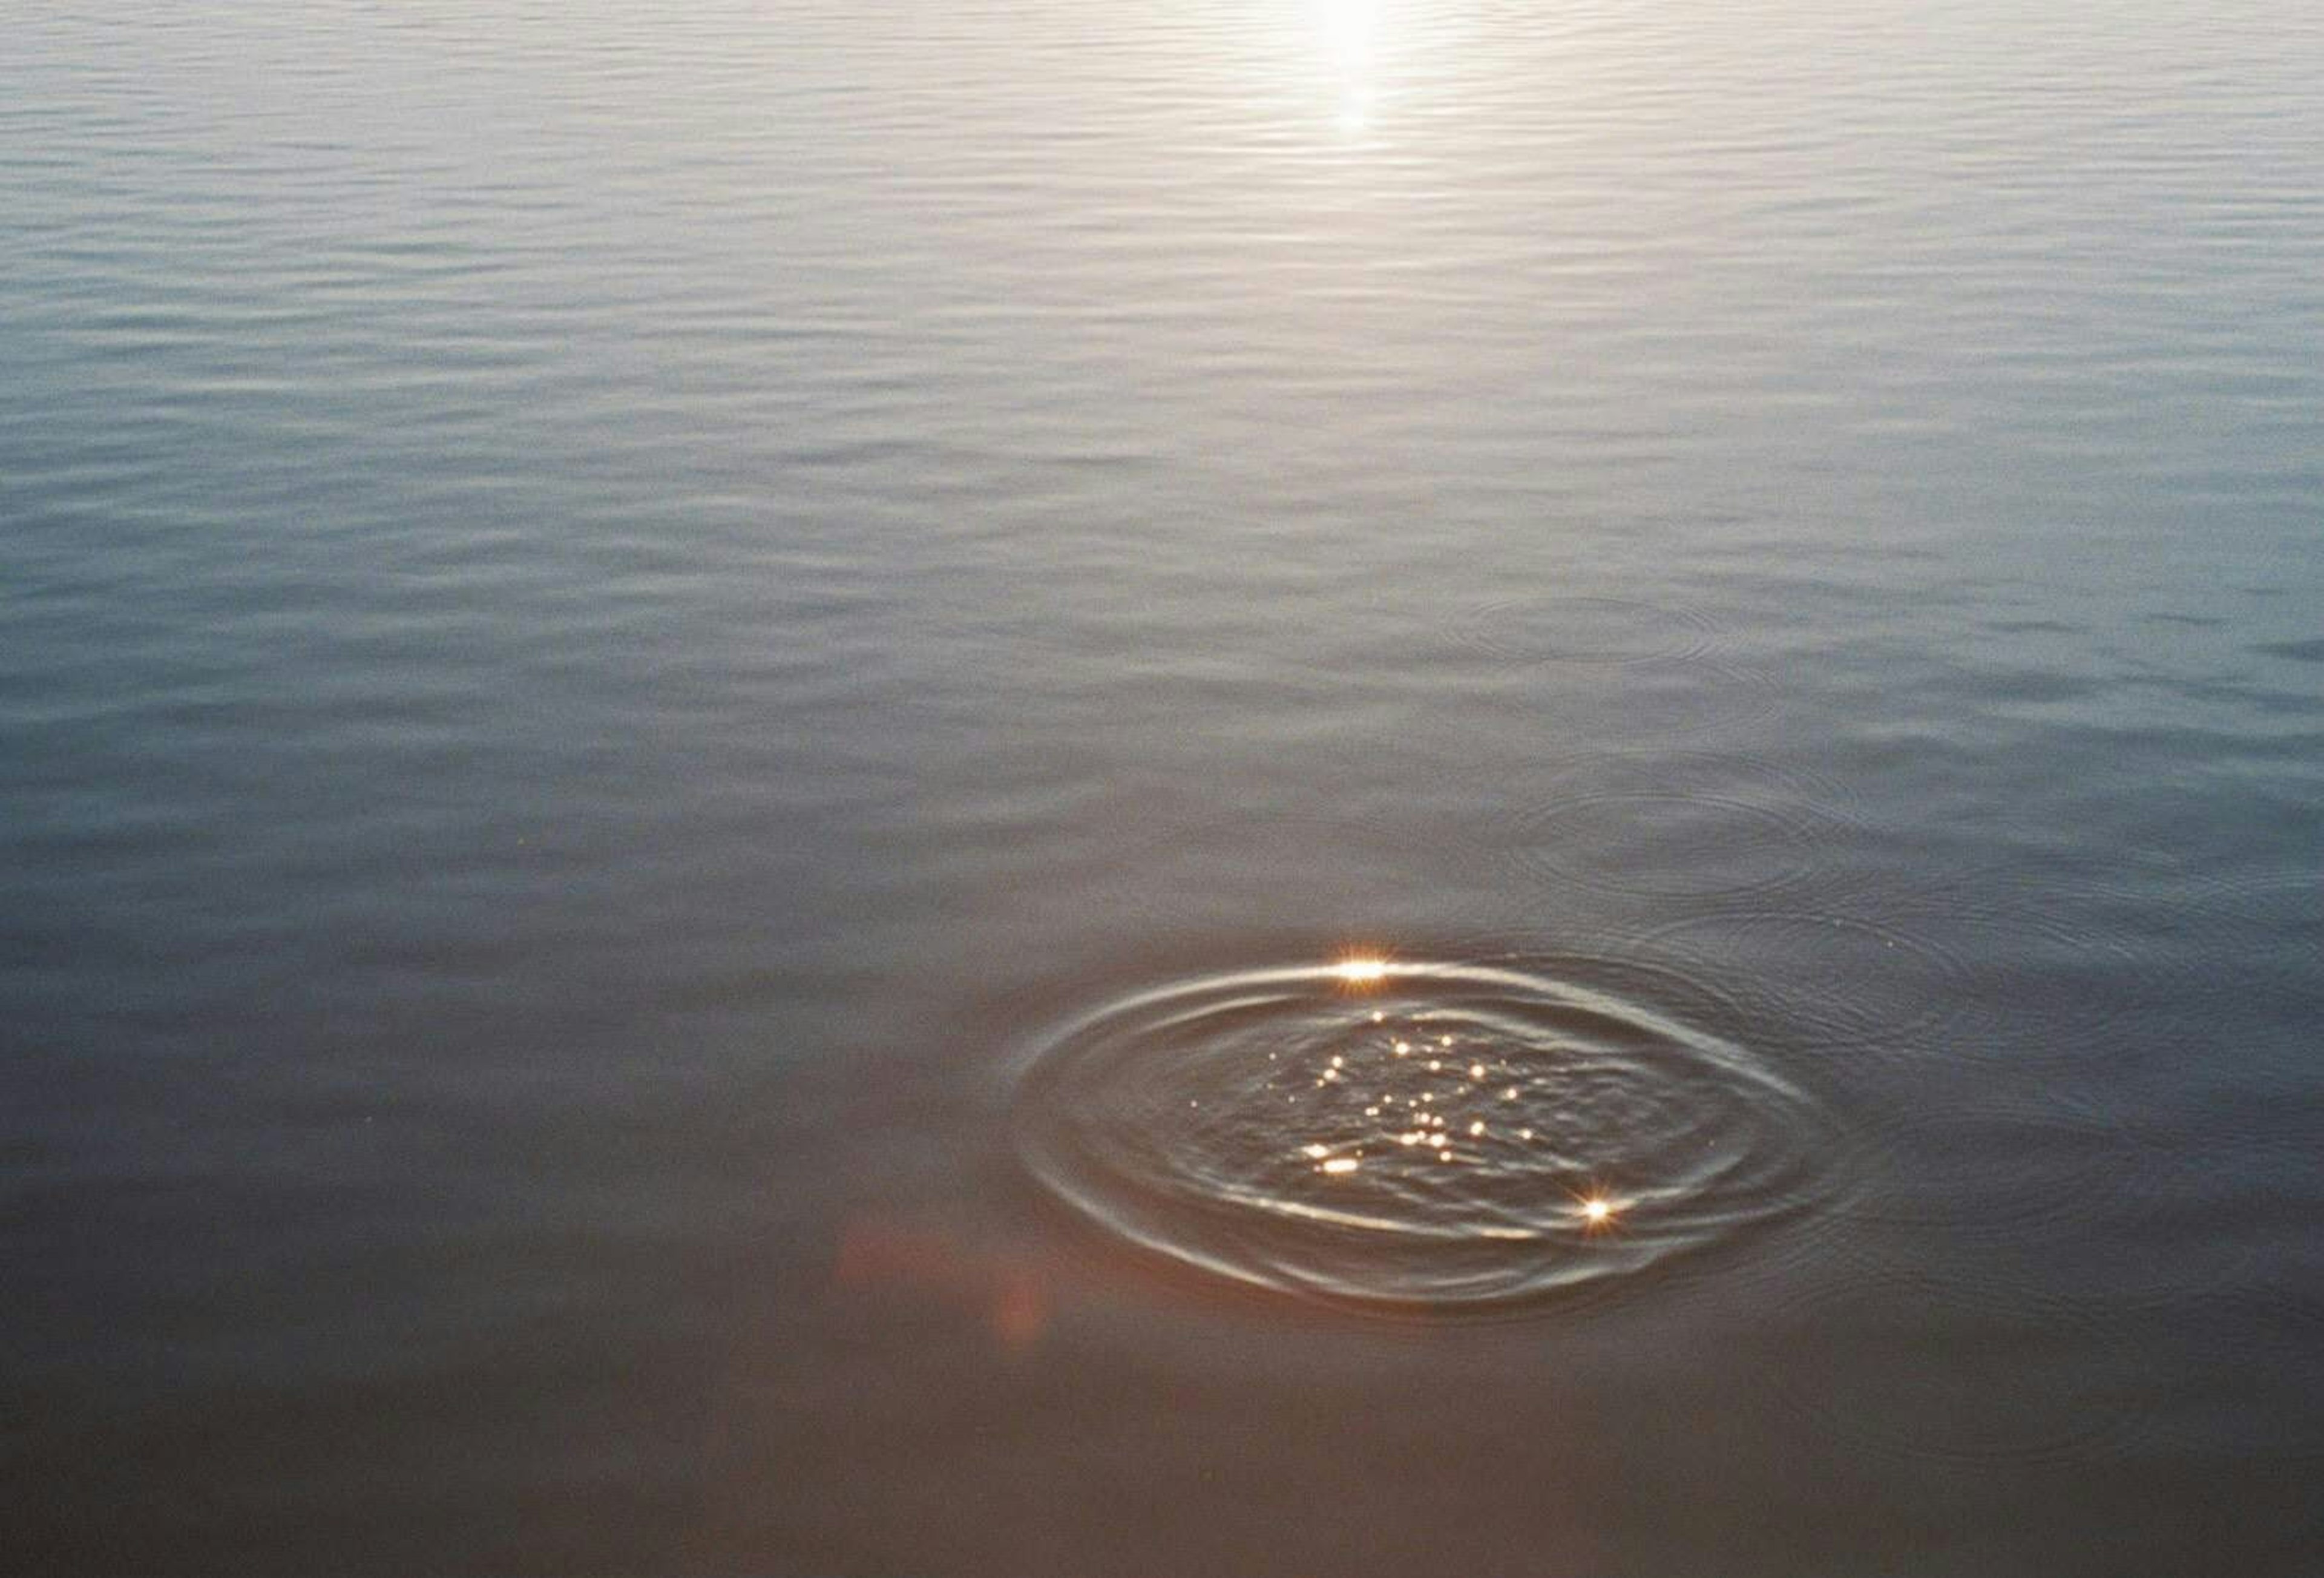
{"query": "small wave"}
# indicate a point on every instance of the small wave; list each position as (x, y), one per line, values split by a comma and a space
(1414, 1138)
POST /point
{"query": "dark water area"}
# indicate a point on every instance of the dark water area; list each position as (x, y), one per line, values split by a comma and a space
(718, 722)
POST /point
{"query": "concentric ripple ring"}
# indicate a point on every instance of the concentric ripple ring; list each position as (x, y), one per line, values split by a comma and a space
(1416, 1137)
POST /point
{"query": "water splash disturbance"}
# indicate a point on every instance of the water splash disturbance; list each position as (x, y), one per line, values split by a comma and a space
(1416, 1137)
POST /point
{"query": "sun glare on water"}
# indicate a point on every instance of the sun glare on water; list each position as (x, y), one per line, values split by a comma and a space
(1346, 34)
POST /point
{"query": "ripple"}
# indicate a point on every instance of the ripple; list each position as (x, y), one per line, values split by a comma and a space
(1689, 825)
(1835, 982)
(2034, 987)
(2042, 971)
(1432, 1138)
(1979, 1092)
(1993, 1166)
(2029, 1202)
(1587, 630)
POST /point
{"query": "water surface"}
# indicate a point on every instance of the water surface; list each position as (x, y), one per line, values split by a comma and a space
(612, 617)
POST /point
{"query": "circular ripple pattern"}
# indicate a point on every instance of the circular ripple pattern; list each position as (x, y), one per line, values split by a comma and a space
(1414, 1137)
(1588, 630)
(1679, 826)
(1836, 984)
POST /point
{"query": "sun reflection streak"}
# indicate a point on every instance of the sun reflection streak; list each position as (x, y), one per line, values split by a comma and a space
(1347, 33)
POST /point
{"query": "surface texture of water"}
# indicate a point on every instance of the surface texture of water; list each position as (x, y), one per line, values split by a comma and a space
(1415, 1138)
(618, 621)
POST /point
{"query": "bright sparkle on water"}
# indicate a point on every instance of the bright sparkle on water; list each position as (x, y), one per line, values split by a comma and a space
(1335, 1151)
(1346, 33)
(1338, 1155)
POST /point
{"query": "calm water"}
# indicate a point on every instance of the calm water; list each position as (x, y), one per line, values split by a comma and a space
(694, 700)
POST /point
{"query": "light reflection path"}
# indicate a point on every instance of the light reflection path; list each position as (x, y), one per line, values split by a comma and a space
(1347, 33)
(1411, 1136)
